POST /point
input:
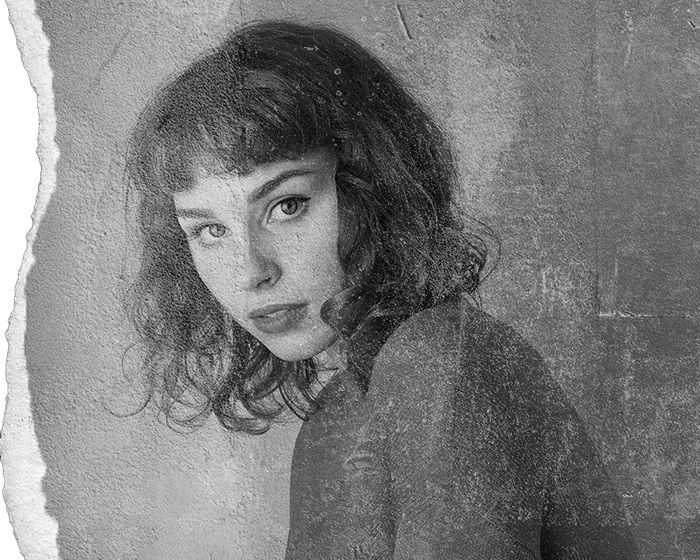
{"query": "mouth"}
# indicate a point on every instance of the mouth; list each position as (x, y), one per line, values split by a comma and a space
(279, 317)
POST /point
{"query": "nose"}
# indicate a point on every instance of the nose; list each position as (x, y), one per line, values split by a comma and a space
(260, 269)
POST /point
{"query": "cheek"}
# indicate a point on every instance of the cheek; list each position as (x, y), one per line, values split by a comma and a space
(219, 277)
(318, 251)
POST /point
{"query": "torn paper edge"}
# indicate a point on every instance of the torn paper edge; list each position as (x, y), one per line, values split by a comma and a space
(35, 530)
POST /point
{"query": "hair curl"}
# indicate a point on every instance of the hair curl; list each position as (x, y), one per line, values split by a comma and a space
(271, 91)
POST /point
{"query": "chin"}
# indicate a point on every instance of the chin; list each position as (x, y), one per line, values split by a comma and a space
(295, 348)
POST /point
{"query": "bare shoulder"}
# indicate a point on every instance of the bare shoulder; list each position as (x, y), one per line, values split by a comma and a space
(425, 335)
(457, 355)
(459, 334)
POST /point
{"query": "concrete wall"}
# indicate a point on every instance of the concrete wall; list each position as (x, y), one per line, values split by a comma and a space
(576, 128)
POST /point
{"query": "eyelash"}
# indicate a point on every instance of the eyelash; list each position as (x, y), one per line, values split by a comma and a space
(196, 233)
(301, 200)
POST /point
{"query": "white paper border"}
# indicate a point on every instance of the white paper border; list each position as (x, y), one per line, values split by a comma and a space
(22, 465)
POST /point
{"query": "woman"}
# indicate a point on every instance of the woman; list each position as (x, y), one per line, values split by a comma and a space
(302, 252)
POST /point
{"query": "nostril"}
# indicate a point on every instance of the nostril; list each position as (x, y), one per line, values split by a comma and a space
(267, 281)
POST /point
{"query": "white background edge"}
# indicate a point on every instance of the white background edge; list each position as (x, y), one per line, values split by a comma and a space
(19, 181)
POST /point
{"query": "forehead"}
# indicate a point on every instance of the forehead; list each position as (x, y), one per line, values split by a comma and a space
(210, 187)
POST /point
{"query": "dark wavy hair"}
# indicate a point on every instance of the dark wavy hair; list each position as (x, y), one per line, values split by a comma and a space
(278, 90)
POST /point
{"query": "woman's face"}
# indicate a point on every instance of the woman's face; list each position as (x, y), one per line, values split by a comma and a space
(265, 244)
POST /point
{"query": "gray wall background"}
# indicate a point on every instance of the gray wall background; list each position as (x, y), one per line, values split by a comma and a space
(576, 127)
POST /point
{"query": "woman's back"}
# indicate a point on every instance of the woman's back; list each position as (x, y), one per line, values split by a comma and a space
(463, 447)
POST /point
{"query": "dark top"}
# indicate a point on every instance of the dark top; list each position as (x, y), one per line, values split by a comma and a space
(464, 447)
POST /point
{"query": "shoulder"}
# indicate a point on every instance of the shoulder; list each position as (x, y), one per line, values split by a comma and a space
(426, 346)
(456, 338)
(424, 337)
(454, 362)
(454, 386)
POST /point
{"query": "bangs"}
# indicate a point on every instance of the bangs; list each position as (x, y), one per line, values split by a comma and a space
(230, 122)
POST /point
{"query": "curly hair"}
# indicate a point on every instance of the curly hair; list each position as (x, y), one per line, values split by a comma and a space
(271, 91)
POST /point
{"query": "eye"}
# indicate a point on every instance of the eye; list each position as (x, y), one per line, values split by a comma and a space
(288, 209)
(208, 234)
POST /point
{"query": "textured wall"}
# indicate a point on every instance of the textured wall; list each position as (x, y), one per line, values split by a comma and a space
(576, 128)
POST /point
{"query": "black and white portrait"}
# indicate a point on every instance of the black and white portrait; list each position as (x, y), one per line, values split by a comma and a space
(363, 280)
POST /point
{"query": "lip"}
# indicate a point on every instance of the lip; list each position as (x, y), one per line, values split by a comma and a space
(278, 317)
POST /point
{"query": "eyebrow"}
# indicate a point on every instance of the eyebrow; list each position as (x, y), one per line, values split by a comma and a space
(193, 213)
(266, 188)
(259, 193)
